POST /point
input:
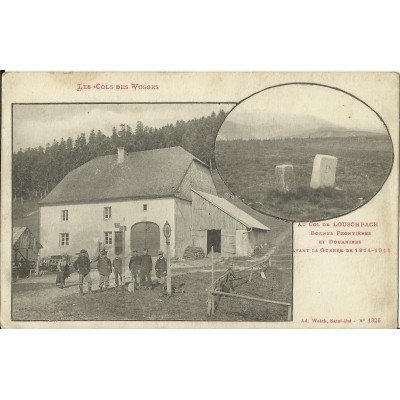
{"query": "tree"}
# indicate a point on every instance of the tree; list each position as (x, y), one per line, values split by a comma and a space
(36, 171)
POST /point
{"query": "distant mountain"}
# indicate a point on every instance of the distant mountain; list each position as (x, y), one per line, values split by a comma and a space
(232, 130)
(327, 133)
(286, 126)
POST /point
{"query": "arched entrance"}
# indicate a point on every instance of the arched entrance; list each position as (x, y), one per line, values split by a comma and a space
(145, 234)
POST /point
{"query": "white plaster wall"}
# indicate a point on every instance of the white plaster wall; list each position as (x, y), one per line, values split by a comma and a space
(86, 224)
(247, 241)
(243, 247)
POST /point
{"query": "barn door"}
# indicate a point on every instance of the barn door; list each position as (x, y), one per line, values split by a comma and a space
(199, 239)
(228, 242)
(145, 234)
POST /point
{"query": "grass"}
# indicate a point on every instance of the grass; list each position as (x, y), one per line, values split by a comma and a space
(248, 169)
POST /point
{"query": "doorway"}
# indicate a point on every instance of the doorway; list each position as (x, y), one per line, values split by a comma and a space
(145, 234)
(214, 240)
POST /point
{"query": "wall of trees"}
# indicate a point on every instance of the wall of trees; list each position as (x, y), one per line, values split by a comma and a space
(38, 170)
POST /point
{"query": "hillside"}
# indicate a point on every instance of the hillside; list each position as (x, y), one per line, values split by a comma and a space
(248, 169)
(287, 126)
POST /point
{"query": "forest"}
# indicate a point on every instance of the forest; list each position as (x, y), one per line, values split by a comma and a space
(36, 171)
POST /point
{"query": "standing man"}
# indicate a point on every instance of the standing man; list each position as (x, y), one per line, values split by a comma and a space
(82, 264)
(61, 265)
(62, 271)
(117, 265)
(161, 271)
(105, 269)
(146, 267)
(134, 266)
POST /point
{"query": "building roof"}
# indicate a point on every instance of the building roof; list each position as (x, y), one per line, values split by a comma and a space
(143, 174)
(18, 231)
(233, 211)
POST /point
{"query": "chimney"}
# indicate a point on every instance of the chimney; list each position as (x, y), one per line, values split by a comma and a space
(121, 155)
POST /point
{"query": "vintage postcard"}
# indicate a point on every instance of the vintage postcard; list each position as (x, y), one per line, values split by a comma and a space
(201, 200)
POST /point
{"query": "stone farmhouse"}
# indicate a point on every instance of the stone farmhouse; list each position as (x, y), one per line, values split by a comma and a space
(143, 190)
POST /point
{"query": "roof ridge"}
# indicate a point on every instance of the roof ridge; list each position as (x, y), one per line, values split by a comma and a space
(158, 148)
(172, 147)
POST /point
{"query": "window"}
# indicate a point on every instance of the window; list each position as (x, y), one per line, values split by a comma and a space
(64, 215)
(107, 212)
(144, 207)
(64, 239)
(107, 237)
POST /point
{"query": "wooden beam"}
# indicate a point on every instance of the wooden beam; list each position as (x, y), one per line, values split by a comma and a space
(250, 298)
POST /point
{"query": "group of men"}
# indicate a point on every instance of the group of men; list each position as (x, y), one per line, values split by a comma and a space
(140, 266)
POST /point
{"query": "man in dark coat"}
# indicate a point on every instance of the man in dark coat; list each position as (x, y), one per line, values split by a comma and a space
(82, 264)
(146, 267)
(161, 270)
(104, 268)
(117, 265)
(134, 266)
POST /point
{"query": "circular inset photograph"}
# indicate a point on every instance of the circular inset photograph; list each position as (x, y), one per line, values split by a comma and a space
(303, 152)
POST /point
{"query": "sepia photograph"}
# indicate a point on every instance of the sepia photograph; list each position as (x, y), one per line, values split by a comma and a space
(119, 214)
(249, 200)
(304, 152)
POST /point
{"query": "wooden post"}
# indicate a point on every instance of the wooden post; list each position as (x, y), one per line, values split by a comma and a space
(251, 274)
(212, 281)
(289, 317)
(209, 304)
(123, 253)
(167, 234)
(212, 266)
(37, 265)
(169, 283)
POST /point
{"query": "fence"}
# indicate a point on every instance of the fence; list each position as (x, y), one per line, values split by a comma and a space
(223, 286)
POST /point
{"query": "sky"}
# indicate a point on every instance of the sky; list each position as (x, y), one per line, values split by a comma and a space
(36, 125)
(317, 102)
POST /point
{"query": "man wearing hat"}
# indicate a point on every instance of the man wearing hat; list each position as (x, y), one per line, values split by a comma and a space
(82, 264)
(161, 270)
(117, 265)
(134, 266)
(104, 268)
(146, 267)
